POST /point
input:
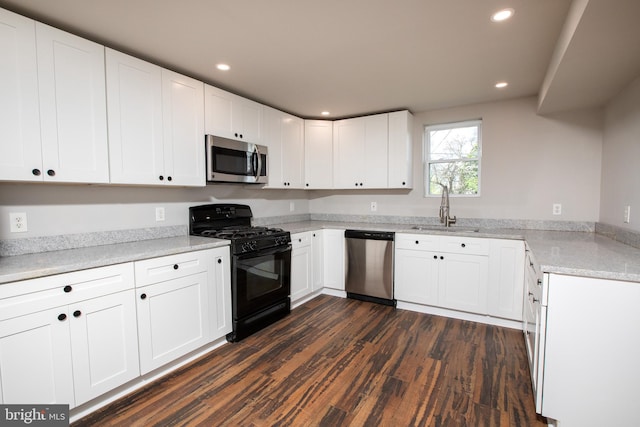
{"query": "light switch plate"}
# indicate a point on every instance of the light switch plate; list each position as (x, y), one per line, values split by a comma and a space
(557, 209)
(160, 214)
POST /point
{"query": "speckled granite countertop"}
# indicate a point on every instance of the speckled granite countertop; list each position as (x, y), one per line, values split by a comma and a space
(564, 252)
(30, 266)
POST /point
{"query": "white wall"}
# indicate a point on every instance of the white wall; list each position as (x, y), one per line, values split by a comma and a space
(68, 209)
(621, 159)
(529, 162)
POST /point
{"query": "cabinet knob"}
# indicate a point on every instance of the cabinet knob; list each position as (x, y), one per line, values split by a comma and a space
(539, 282)
(463, 245)
(175, 266)
(143, 296)
(67, 289)
(307, 184)
(235, 134)
(62, 317)
(435, 257)
(535, 300)
(441, 257)
(51, 172)
(169, 178)
(161, 178)
(77, 313)
(219, 260)
(360, 184)
(417, 242)
(404, 183)
(36, 172)
(300, 240)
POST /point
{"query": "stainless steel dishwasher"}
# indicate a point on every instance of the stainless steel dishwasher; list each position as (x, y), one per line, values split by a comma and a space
(369, 266)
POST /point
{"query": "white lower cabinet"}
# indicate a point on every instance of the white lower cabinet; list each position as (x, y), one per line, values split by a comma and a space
(74, 333)
(467, 274)
(333, 258)
(317, 251)
(301, 265)
(173, 305)
(588, 363)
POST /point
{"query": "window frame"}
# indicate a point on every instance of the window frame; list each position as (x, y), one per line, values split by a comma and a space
(427, 161)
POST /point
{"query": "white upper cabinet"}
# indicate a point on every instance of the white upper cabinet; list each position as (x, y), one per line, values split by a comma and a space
(400, 149)
(156, 117)
(73, 112)
(53, 114)
(134, 96)
(318, 154)
(232, 116)
(284, 136)
(360, 152)
(183, 123)
(20, 151)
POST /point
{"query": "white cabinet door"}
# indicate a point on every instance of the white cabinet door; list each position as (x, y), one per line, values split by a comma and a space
(73, 114)
(360, 152)
(220, 293)
(463, 282)
(173, 319)
(317, 250)
(35, 358)
(183, 122)
(334, 257)
(284, 136)
(301, 263)
(104, 344)
(400, 149)
(231, 116)
(20, 147)
(506, 279)
(318, 153)
(134, 105)
(416, 276)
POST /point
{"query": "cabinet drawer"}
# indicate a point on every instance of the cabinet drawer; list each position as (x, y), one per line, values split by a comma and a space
(300, 240)
(170, 267)
(464, 245)
(30, 296)
(422, 242)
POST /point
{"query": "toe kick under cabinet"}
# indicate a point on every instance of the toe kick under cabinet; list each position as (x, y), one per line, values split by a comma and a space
(474, 275)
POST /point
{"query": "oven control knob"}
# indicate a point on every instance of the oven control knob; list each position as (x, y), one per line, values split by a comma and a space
(249, 246)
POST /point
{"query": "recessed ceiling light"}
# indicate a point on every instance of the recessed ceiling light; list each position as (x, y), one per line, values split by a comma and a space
(502, 15)
(501, 85)
(223, 67)
(325, 113)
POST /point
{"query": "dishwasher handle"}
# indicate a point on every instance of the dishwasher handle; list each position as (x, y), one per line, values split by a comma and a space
(369, 235)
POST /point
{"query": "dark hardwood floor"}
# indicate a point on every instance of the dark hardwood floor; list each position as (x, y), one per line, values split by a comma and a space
(342, 362)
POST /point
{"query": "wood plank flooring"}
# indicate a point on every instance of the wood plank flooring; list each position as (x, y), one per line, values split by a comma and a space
(342, 362)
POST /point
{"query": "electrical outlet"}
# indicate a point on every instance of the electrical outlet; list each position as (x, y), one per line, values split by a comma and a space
(557, 209)
(18, 222)
(627, 214)
(292, 206)
(160, 214)
(374, 206)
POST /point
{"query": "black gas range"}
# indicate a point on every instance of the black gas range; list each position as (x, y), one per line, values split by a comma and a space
(260, 265)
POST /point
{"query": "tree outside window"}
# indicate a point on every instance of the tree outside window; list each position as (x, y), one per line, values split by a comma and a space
(452, 154)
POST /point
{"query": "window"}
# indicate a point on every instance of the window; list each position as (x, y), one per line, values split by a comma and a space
(452, 157)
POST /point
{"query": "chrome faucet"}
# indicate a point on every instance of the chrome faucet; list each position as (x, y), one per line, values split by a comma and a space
(444, 208)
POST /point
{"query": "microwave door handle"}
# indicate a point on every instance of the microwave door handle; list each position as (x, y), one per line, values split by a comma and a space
(258, 169)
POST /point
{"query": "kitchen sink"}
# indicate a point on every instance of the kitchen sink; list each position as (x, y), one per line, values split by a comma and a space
(452, 229)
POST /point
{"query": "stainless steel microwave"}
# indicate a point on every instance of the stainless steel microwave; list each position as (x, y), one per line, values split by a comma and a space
(229, 160)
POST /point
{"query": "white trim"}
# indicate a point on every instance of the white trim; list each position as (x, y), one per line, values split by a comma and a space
(461, 315)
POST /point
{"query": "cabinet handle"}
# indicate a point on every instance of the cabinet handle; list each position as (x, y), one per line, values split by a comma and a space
(219, 261)
(463, 245)
(535, 300)
(530, 264)
(67, 289)
(143, 296)
(77, 313)
(51, 172)
(62, 316)
(175, 266)
(539, 282)
(36, 172)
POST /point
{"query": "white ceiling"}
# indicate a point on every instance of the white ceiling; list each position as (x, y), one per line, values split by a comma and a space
(353, 57)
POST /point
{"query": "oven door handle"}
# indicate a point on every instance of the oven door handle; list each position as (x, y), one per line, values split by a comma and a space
(257, 163)
(267, 252)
